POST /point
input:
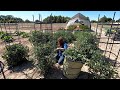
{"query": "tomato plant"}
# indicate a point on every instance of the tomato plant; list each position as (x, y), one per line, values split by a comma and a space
(68, 36)
(16, 53)
(6, 37)
(98, 65)
(38, 37)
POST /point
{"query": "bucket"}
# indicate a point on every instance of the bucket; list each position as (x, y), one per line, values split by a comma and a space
(71, 69)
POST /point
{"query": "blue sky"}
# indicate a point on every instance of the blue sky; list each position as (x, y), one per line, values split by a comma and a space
(93, 15)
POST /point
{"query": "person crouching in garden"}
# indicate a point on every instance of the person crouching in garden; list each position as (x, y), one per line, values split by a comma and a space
(61, 47)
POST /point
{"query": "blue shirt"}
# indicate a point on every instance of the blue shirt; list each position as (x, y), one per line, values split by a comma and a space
(65, 46)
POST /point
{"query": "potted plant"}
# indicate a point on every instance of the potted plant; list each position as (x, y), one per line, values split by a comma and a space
(73, 63)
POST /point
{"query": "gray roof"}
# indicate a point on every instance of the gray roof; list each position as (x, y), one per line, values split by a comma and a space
(81, 16)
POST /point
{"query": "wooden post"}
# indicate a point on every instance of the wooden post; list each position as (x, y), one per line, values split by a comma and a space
(100, 34)
(97, 23)
(40, 21)
(51, 20)
(5, 26)
(34, 23)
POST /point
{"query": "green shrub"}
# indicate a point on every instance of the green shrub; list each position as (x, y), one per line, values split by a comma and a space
(74, 54)
(84, 27)
(72, 27)
(1, 32)
(68, 36)
(86, 43)
(6, 37)
(16, 53)
(43, 53)
(38, 37)
(24, 35)
(101, 68)
(98, 66)
(43, 49)
(108, 31)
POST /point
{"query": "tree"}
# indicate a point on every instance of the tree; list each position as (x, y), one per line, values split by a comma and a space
(118, 20)
(87, 18)
(27, 21)
(93, 21)
(56, 19)
(37, 21)
(103, 19)
(109, 19)
(10, 18)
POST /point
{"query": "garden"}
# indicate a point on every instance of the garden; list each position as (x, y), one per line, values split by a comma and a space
(84, 51)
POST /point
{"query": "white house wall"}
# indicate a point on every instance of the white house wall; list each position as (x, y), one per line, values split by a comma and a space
(71, 22)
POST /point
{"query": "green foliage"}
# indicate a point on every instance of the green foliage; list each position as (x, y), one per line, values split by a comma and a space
(86, 43)
(38, 37)
(16, 53)
(110, 31)
(68, 36)
(84, 27)
(86, 37)
(43, 49)
(100, 67)
(104, 19)
(1, 32)
(72, 27)
(74, 54)
(93, 21)
(118, 20)
(22, 34)
(56, 19)
(6, 37)
(27, 21)
(43, 53)
(9, 18)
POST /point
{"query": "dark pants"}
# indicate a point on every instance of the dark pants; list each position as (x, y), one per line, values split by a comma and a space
(60, 59)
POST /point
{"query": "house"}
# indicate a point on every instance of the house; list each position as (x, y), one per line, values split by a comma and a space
(79, 18)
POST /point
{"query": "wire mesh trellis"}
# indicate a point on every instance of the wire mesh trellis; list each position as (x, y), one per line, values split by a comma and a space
(108, 43)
